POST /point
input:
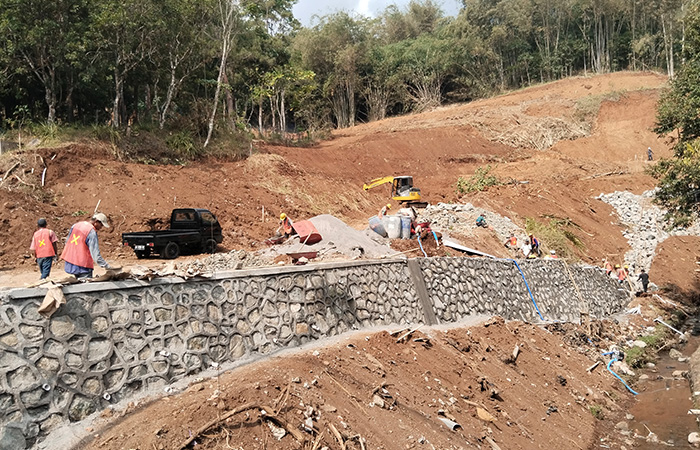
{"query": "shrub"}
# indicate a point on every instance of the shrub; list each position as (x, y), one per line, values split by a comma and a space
(182, 143)
(481, 180)
(556, 234)
(596, 411)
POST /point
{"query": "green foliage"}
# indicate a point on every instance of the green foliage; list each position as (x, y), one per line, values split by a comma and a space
(79, 213)
(636, 357)
(555, 234)
(182, 143)
(480, 181)
(679, 184)
(596, 411)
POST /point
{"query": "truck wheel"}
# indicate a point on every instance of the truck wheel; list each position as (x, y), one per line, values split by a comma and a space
(209, 246)
(171, 251)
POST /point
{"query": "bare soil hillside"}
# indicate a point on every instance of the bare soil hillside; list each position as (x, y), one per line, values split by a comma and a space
(373, 392)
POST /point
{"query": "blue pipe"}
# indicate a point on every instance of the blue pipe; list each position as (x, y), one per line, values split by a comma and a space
(421, 246)
(528, 289)
(618, 376)
(436, 239)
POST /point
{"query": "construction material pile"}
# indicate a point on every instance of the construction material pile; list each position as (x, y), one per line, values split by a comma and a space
(233, 260)
(339, 240)
(451, 219)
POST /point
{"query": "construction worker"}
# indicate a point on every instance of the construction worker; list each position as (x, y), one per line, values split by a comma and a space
(527, 249)
(644, 278)
(621, 274)
(82, 247)
(286, 225)
(481, 221)
(511, 242)
(385, 209)
(650, 157)
(607, 265)
(552, 255)
(44, 247)
(535, 245)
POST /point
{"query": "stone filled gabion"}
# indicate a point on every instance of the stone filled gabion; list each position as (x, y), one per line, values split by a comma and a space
(646, 226)
(107, 345)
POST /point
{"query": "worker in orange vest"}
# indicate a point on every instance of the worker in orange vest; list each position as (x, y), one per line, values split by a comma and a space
(621, 274)
(608, 266)
(286, 225)
(82, 247)
(511, 242)
(43, 247)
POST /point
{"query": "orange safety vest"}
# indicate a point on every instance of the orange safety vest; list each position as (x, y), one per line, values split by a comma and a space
(513, 241)
(621, 274)
(42, 243)
(76, 250)
(287, 225)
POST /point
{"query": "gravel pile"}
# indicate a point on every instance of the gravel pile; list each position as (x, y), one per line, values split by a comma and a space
(233, 260)
(451, 218)
(339, 240)
(646, 227)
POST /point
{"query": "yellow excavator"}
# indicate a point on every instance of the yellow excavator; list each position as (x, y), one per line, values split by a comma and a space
(402, 190)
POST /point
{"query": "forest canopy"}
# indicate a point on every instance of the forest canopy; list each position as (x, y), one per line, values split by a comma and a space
(213, 66)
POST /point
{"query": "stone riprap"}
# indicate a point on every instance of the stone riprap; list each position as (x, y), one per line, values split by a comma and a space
(461, 287)
(111, 341)
(646, 227)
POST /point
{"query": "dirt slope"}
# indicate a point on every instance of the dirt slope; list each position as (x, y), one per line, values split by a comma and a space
(540, 401)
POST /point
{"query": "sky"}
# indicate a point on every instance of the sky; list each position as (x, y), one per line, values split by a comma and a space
(304, 10)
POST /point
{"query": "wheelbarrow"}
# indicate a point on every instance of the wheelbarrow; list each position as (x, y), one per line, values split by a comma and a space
(298, 255)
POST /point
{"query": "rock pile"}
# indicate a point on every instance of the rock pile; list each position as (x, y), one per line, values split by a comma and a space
(233, 260)
(450, 218)
(646, 226)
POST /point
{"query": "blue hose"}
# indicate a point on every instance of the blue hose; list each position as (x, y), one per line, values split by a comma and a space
(618, 376)
(421, 246)
(436, 239)
(528, 289)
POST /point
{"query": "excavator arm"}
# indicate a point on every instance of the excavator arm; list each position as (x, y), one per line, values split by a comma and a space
(377, 182)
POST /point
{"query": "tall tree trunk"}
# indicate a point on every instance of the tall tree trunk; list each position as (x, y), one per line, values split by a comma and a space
(116, 105)
(230, 109)
(226, 8)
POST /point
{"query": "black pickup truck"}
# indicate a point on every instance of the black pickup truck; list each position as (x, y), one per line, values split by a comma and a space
(191, 229)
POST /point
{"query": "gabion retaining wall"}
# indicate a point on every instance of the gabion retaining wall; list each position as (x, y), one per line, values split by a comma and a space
(113, 340)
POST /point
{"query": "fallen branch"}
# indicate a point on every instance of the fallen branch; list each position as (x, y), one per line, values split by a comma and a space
(408, 333)
(494, 446)
(346, 391)
(9, 171)
(293, 431)
(337, 436)
(24, 182)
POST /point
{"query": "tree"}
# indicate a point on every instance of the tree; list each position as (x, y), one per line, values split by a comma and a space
(678, 112)
(123, 33)
(41, 35)
(228, 15)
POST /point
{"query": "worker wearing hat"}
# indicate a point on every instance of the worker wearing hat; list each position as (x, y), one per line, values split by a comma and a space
(385, 209)
(286, 225)
(82, 247)
(43, 247)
